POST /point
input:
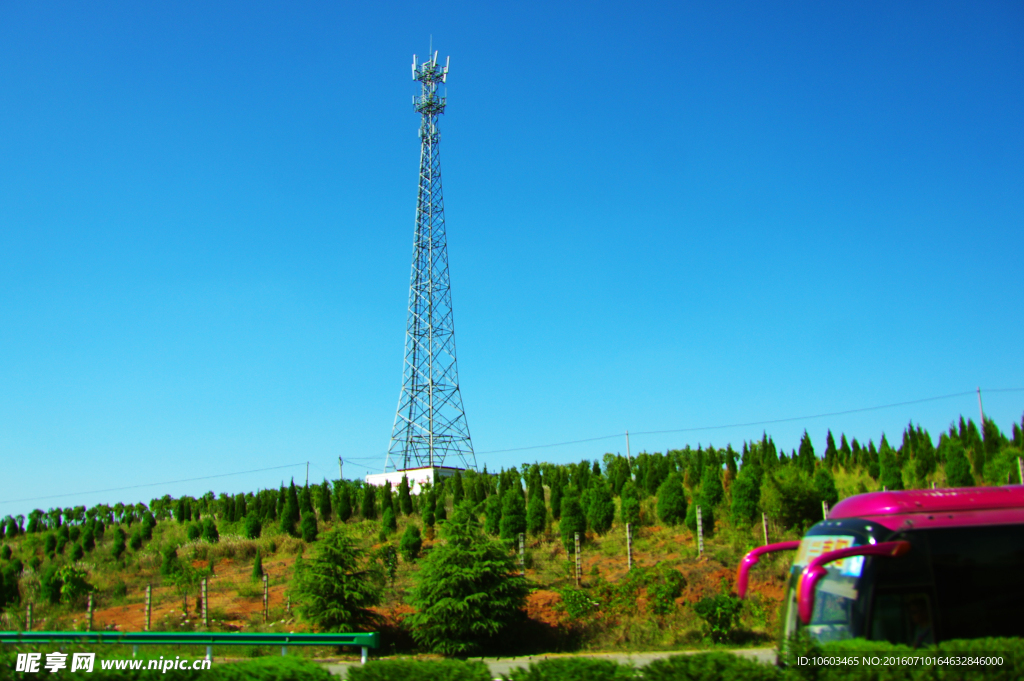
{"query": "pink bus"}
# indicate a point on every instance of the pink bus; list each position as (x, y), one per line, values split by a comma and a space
(913, 567)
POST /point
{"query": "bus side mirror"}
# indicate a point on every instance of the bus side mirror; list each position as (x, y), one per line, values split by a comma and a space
(815, 570)
(750, 560)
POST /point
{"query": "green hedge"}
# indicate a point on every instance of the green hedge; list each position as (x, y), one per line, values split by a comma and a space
(709, 667)
(571, 669)
(417, 670)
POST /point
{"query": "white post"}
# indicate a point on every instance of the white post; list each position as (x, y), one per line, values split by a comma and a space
(579, 562)
(764, 523)
(629, 547)
(700, 534)
(824, 510)
(89, 627)
(209, 653)
(266, 600)
(149, 605)
(1020, 470)
(362, 659)
(206, 606)
(522, 554)
(284, 651)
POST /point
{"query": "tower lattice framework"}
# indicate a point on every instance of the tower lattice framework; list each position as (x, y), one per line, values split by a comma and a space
(430, 423)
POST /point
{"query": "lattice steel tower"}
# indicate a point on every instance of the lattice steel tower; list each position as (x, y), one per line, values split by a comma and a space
(430, 424)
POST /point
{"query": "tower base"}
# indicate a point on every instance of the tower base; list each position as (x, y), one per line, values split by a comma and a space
(418, 477)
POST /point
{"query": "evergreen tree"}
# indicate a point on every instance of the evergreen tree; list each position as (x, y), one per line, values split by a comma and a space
(872, 461)
(389, 524)
(467, 592)
(458, 493)
(411, 543)
(429, 510)
(404, 497)
(958, 470)
(572, 520)
(305, 501)
(210, 533)
(630, 510)
(513, 514)
(806, 458)
(309, 527)
(441, 510)
(325, 502)
(253, 526)
(289, 514)
(831, 453)
(601, 511)
(257, 567)
(369, 509)
(892, 477)
(171, 564)
(845, 454)
(335, 590)
(492, 513)
(386, 498)
(672, 500)
(746, 493)
(711, 492)
(825, 486)
(557, 488)
(344, 502)
(536, 514)
(730, 463)
(788, 496)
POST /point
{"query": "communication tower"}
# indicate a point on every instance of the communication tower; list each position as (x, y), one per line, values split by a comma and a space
(430, 426)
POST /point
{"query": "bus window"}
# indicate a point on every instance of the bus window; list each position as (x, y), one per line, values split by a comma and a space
(903, 618)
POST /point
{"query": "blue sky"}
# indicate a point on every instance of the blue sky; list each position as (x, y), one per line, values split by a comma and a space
(669, 216)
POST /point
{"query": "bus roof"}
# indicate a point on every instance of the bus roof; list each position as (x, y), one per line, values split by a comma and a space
(936, 507)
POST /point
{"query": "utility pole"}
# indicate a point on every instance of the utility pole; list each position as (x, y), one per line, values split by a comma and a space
(629, 459)
(982, 412)
(340, 475)
(307, 474)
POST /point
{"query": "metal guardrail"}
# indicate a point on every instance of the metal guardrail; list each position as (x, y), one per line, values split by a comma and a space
(209, 639)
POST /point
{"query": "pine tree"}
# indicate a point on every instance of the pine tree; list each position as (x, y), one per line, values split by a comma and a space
(305, 501)
(746, 493)
(958, 469)
(292, 505)
(289, 513)
(335, 589)
(467, 592)
(210, 533)
(492, 513)
(513, 514)
(572, 520)
(253, 526)
(892, 478)
(458, 493)
(536, 514)
(557, 485)
(825, 486)
(389, 524)
(630, 510)
(601, 511)
(257, 567)
(344, 502)
(429, 511)
(404, 497)
(711, 492)
(309, 527)
(830, 451)
(386, 499)
(369, 509)
(845, 454)
(806, 458)
(411, 543)
(325, 502)
(671, 500)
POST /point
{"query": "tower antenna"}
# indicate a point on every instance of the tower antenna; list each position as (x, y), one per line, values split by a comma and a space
(430, 422)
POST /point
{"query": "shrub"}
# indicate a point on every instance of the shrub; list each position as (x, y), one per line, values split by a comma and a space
(119, 543)
(719, 614)
(787, 495)
(416, 670)
(334, 589)
(573, 668)
(663, 594)
(136, 539)
(194, 531)
(411, 543)
(253, 526)
(710, 667)
(171, 563)
(466, 592)
(711, 492)
(746, 492)
(958, 469)
(77, 552)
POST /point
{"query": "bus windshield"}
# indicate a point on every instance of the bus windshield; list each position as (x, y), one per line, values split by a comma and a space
(836, 595)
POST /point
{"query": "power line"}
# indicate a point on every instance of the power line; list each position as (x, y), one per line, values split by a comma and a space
(758, 423)
(153, 484)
